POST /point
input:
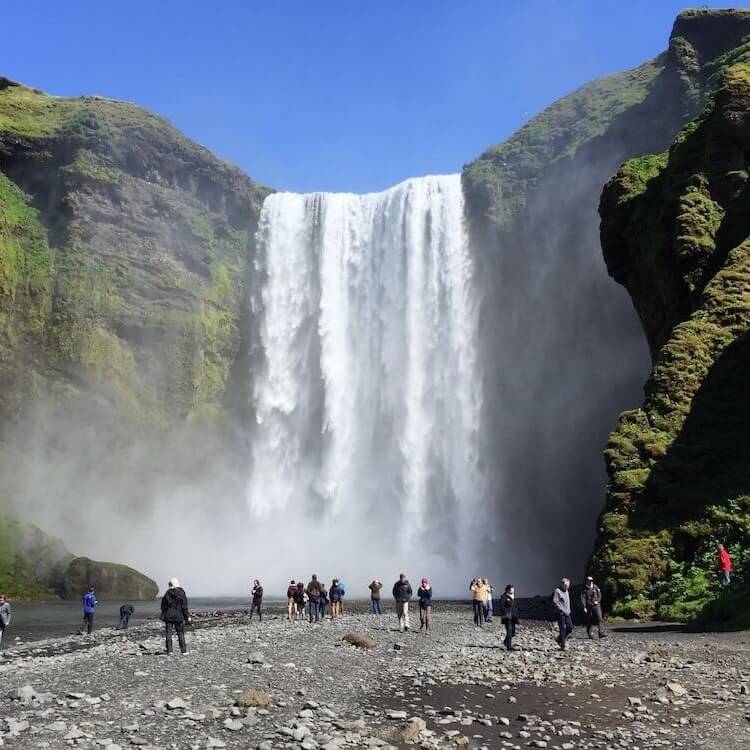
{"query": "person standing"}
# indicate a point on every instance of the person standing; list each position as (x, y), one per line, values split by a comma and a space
(334, 594)
(313, 594)
(561, 600)
(488, 601)
(126, 612)
(478, 590)
(291, 604)
(89, 606)
(724, 562)
(509, 614)
(402, 593)
(424, 593)
(5, 615)
(257, 593)
(175, 613)
(375, 587)
(591, 600)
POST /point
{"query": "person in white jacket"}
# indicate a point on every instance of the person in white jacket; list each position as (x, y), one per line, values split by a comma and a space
(561, 600)
(5, 615)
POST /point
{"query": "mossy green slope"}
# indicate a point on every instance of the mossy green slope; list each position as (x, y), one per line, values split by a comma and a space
(675, 233)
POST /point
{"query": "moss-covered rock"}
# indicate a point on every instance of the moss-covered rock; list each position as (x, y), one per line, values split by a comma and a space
(675, 233)
(110, 581)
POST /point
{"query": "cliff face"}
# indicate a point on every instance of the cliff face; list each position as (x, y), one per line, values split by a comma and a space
(675, 233)
(569, 354)
(125, 254)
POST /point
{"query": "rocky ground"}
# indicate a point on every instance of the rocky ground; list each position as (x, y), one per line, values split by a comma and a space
(293, 685)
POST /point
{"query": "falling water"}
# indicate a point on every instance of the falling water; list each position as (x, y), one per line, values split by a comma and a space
(367, 400)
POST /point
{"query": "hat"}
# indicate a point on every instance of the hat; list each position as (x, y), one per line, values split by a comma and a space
(173, 583)
(589, 578)
(425, 582)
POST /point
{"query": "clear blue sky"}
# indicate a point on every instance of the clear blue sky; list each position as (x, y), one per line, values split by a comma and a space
(334, 94)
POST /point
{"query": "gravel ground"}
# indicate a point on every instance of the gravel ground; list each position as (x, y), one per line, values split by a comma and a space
(283, 685)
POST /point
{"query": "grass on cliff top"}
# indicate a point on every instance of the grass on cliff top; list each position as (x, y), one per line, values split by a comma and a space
(17, 578)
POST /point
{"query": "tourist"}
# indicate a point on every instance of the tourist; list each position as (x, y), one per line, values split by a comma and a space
(488, 601)
(334, 594)
(478, 590)
(375, 587)
(89, 605)
(342, 589)
(291, 603)
(725, 565)
(299, 600)
(5, 615)
(126, 612)
(561, 600)
(323, 601)
(402, 593)
(591, 599)
(424, 593)
(509, 614)
(175, 613)
(313, 595)
(257, 593)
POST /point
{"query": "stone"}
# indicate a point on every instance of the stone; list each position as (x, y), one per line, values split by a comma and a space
(395, 715)
(676, 689)
(176, 704)
(25, 694)
(233, 725)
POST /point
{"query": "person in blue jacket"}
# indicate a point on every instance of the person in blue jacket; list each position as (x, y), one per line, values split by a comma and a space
(89, 605)
(424, 593)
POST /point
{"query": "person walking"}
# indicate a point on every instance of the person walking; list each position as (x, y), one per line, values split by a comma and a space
(5, 615)
(299, 600)
(291, 604)
(509, 614)
(402, 593)
(488, 601)
(257, 593)
(424, 593)
(89, 606)
(375, 587)
(591, 600)
(334, 594)
(478, 590)
(175, 613)
(323, 601)
(342, 588)
(313, 595)
(561, 600)
(126, 612)
(724, 562)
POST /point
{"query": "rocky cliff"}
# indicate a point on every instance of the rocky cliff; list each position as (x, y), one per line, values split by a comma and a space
(675, 232)
(569, 354)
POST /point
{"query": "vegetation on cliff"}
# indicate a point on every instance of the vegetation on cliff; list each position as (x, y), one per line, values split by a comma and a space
(675, 233)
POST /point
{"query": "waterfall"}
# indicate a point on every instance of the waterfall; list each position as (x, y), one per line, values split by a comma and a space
(367, 399)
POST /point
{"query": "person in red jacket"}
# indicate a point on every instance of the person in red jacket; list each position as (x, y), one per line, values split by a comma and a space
(725, 564)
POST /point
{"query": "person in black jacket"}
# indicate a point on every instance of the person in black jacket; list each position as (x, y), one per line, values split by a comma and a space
(126, 612)
(509, 614)
(175, 613)
(257, 600)
(402, 592)
(334, 595)
(424, 593)
(591, 600)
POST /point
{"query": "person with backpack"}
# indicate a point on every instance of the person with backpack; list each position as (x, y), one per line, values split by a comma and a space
(478, 589)
(591, 601)
(323, 601)
(375, 587)
(402, 593)
(126, 612)
(175, 613)
(89, 606)
(509, 614)
(257, 593)
(424, 594)
(291, 603)
(313, 594)
(334, 594)
(299, 600)
(561, 601)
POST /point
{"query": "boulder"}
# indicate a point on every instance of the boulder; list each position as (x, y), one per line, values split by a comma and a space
(110, 581)
(360, 640)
